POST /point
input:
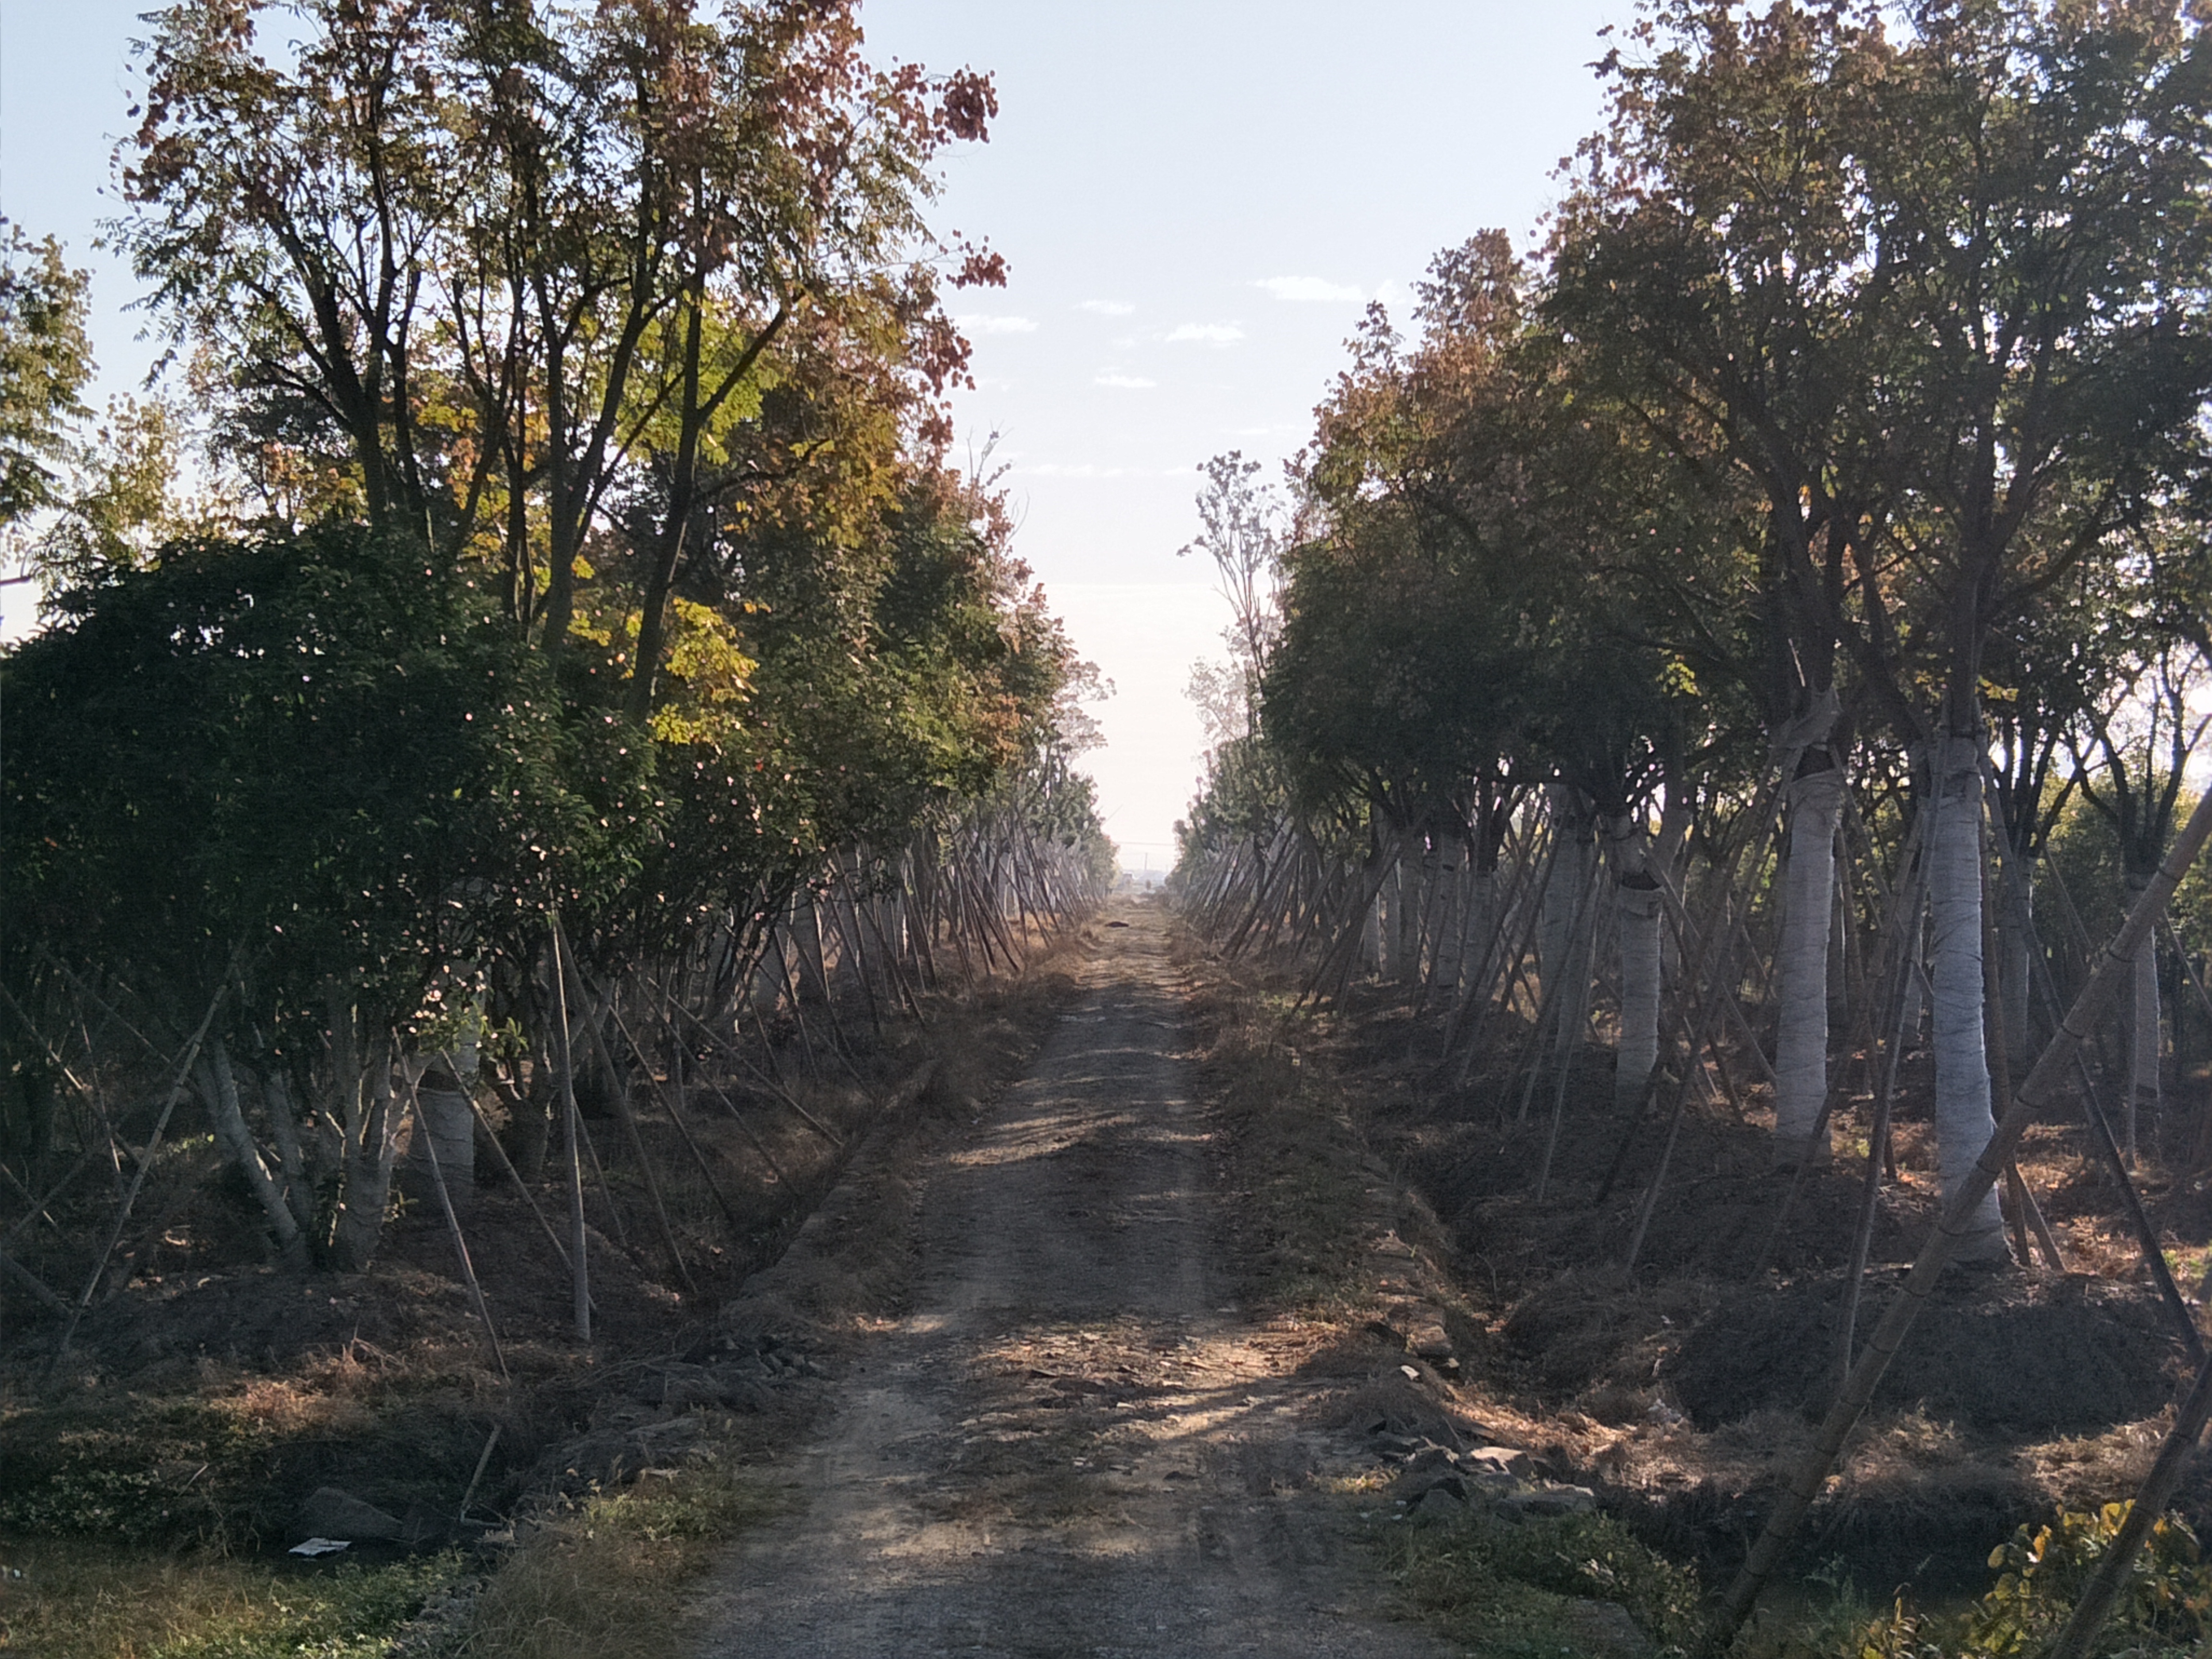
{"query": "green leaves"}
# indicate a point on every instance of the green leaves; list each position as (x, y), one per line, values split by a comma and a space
(46, 358)
(313, 749)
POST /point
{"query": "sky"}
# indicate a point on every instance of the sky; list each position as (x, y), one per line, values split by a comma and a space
(1196, 201)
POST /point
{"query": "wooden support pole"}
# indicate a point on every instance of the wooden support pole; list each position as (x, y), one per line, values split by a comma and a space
(145, 1163)
(580, 1272)
(2041, 1090)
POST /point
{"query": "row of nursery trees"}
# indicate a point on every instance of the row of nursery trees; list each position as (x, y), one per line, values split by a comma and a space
(550, 639)
(1742, 592)
(1746, 591)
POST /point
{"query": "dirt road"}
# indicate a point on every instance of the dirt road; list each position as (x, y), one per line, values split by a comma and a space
(1074, 1445)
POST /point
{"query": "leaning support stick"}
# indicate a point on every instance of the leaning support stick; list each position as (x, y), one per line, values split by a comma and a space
(2038, 1092)
(454, 1230)
(580, 1270)
(2103, 1586)
(145, 1163)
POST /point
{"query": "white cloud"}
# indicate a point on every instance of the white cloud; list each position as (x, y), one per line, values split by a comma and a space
(980, 324)
(1208, 333)
(1107, 308)
(1122, 382)
(1310, 288)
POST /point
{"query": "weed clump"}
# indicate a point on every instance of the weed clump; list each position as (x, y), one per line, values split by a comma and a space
(82, 1600)
(2164, 1610)
(599, 1579)
(1512, 1588)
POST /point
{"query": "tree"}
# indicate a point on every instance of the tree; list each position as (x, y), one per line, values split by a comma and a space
(2133, 779)
(505, 267)
(46, 359)
(312, 766)
(1922, 279)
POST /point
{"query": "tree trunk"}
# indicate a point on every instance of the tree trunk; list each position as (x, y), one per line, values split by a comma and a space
(1447, 929)
(2143, 1031)
(1639, 899)
(217, 1086)
(1404, 890)
(1801, 961)
(1479, 946)
(371, 1128)
(1635, 908)
(1564, 948)
(807, 934)
(1962, 1066)
(445, 1126)
(2016, 938)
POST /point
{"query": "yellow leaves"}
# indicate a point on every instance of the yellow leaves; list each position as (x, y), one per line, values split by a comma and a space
(707, 676)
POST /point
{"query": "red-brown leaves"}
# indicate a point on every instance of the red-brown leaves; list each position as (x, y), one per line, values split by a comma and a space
(968, 105)
(980, 266)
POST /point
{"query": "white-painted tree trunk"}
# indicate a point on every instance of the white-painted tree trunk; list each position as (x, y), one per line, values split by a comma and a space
(1840, 972)
(1404, 916)
(1669, 860)
(1636, 901)
(1564, 928)
(1479, 946)
(1450, 929)
(1962, 1064)
(1801, 966)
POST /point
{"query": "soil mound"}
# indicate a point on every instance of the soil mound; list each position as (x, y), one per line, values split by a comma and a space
(1992, 1351)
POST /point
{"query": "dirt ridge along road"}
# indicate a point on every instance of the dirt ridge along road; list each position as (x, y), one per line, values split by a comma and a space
(1072, 1445)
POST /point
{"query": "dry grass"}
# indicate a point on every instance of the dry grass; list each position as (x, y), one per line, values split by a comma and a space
(131, 1488)
(1292, 1155)
(604, 1579)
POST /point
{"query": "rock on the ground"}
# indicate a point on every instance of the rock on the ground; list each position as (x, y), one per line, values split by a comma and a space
(1431, 1458)
(329, 1513)
(1436, 1506)
(1499, 1459)
(1550, 1499)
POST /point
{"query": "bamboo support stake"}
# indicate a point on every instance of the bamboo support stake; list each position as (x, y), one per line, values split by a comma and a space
(729, 1105)
(30, 1282)
(2095, 1602)
(145, 1163)
(2146, 1239)
(2039, 1090)
(628, 1121)
(454, 1227)
(40, 1205)
(507, 1168)
(579, 1260)
(810, 1121)
(668, 1104)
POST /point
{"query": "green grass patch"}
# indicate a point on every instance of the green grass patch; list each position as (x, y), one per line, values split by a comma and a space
(78, 1598)
(605, 1578)
(1507, 1589)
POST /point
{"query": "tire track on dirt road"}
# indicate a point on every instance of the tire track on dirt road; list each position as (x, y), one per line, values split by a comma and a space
(1071, 1446)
